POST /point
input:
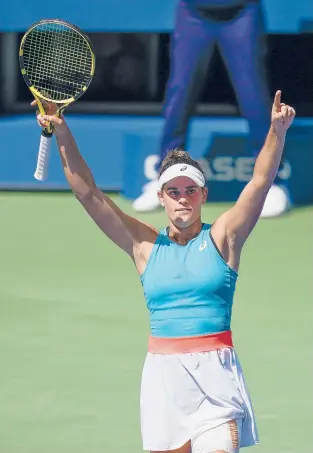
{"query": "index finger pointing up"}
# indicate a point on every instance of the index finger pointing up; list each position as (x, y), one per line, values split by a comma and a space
(277, 98)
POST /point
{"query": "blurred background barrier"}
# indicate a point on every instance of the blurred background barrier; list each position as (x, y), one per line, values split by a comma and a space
(137, 15)
(122, 153)
(118, 121)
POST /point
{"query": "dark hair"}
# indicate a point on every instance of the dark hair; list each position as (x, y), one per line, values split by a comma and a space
(177, 156)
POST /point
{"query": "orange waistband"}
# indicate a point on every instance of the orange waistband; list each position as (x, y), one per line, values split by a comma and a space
(183, 345)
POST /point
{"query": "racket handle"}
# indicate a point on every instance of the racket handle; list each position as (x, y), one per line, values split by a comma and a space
(43, 156)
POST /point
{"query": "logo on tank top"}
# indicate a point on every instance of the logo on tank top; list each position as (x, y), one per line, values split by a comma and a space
(202, 246)
(183, 168)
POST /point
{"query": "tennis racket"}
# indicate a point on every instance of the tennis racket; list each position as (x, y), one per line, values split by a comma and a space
(57, 62)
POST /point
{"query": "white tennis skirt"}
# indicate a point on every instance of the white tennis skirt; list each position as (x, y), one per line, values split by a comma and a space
(184, 395)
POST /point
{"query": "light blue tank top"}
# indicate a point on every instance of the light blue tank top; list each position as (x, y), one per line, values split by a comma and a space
(189, 289)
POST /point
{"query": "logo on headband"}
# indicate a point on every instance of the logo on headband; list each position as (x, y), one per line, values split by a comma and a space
(183, 168)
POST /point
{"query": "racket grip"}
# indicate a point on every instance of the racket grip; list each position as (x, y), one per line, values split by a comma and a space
(43, 156)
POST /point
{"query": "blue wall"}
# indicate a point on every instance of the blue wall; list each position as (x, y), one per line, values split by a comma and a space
(282, 16)
(122, 152)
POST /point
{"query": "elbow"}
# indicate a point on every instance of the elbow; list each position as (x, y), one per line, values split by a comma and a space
(82, 190)
(82, 185)
(262, 183)
(83, 194)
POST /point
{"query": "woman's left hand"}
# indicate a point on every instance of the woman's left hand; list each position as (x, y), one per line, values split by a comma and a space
(282, 115)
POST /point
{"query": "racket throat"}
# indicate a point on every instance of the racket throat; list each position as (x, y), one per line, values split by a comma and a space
(47, 132)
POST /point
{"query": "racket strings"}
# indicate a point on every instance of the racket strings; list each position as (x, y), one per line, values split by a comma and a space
(57, 60)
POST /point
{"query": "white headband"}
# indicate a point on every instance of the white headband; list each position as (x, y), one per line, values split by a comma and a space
(182, 170)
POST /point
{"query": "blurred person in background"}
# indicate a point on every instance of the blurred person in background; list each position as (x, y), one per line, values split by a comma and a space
(237, 28)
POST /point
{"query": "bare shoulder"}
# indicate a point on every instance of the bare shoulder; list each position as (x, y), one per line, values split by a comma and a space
(224, 241)
(218, 231)
(146, 233)
(146, 238)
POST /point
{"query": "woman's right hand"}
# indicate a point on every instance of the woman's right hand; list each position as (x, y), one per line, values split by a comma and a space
(44, 120)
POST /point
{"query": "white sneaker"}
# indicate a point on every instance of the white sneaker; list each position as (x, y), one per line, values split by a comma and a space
(148, 200)
(277, 202)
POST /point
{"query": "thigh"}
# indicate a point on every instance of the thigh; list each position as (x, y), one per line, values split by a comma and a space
(191, 48)
(244, 37)
(184, 449)
(191, 43)
(243, 46)
(222, 438)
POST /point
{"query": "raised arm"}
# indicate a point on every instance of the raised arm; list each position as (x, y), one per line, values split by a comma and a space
(233, 228)
(126, 231)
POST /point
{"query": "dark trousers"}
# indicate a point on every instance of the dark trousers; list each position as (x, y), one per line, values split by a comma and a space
(240, 41)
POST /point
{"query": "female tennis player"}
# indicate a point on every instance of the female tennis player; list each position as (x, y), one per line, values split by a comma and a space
(193, 393)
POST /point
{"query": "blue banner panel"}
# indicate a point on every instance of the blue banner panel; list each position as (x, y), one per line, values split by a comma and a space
(221, 147)
(141, 15)
(122, 153)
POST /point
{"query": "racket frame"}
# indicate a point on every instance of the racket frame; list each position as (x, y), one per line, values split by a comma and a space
(40, 98)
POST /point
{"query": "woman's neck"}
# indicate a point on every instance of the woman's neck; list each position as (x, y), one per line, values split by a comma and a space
(183, 235)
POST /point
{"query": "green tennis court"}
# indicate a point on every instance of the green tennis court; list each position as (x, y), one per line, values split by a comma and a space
(73, 330)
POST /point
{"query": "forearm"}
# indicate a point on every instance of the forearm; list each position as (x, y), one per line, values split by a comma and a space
(268, 160)
(76, 170)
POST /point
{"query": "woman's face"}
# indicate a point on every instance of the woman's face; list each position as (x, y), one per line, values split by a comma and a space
(182, 200)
